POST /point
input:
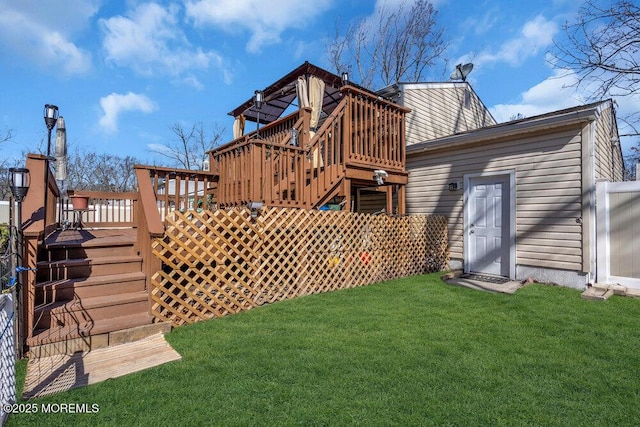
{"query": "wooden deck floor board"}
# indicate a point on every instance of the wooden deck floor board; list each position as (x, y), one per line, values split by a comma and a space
(91, 237)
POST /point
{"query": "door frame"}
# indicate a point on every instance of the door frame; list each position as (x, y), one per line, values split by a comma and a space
(511, 174)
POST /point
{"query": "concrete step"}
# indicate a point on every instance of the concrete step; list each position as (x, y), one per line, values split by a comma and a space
(86, 311)
(597, 294)
(68, 289)
(102, 333)
(86, 267)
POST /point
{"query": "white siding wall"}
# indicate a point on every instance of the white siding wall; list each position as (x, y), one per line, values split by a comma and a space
(439, 110)
(548, 193)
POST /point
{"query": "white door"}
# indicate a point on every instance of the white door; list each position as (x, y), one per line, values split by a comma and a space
(488, 225)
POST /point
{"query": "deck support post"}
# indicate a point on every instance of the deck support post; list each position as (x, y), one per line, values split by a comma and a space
(389, 190)
(347, 195)
(402, 193)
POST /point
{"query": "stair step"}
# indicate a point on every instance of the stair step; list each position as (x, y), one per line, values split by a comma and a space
(72, 244)
(100, 333)
(67, 289)
(87, 239)
(85, 267)
(61, 253)
(86, 311)
(597, 294)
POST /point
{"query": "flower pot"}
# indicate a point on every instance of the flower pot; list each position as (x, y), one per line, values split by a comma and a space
(79, 202)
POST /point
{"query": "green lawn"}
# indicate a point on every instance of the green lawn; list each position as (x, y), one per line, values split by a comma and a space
(413, 351)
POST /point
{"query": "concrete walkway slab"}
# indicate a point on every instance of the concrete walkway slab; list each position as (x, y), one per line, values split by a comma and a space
(481, 284)
(57, 373)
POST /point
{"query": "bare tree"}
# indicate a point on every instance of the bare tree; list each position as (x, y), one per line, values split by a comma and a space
(6, 136)
(395, 44)
(191, 145)
(5, 164)
(602, 47)
(100, 172)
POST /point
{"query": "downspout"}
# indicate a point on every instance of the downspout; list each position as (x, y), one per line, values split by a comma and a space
(591, 277)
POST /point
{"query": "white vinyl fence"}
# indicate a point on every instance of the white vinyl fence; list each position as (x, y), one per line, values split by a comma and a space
(618, 231)
(7, 355)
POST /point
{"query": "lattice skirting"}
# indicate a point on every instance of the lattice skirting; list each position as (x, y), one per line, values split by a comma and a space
(221, 262)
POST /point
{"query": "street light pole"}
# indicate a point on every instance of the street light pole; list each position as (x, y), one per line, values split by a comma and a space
(50, 119)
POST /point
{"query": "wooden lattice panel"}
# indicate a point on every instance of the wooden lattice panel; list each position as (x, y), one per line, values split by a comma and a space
(222, 262)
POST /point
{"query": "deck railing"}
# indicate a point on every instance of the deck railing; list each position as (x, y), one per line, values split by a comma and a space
(265, 165)
(376, 133)
(178, 189)
(105, 209)
(286, 164)
(160, 191)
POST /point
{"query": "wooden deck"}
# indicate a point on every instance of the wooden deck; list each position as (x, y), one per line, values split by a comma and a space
(87, 237)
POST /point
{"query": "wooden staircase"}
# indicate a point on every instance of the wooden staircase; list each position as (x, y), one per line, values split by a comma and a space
(89, 285)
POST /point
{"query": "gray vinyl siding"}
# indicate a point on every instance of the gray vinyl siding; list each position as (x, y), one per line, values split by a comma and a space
(548, 193)
(608, 159)
(439, 110)
(372, 202)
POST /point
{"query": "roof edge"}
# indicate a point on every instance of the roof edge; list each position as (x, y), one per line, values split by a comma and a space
(561, 118)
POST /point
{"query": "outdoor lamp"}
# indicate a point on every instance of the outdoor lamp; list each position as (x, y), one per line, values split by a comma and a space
(254, 207)
(258, 98)
(20, 180)
(50, 119)
(50, 116)
(345, 78)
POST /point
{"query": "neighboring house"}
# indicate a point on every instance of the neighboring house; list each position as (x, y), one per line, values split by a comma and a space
(520, 196)
(438, 109)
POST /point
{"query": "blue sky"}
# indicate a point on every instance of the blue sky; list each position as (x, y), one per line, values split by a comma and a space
(122, 72)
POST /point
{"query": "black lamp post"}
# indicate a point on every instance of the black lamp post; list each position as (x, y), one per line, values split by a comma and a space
(345, 78)
(50, 119)
(258, 99)
(20, 181)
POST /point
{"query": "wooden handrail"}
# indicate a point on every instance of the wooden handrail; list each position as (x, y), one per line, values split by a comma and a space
(347, 89)
(266, 132)
(150, 218)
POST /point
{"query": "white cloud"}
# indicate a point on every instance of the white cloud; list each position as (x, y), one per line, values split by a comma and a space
(264, 20)
(44, 35)
(114, 104)
(150, 41)
(554, 93)
(535, 36)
